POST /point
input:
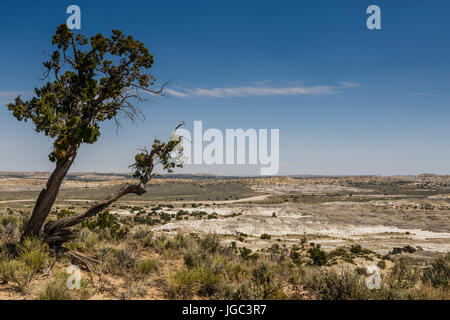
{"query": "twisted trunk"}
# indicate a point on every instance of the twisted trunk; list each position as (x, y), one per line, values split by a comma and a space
(58, 232)
(48, 195)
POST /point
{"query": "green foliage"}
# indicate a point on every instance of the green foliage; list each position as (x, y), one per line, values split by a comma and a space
(63, 213)
(357, 249)
(247, 254)
(318, 256)
(57, 289)
(404, 274)
(89, 81)
(12, 225)
(146, 267)
(381, 264)
(107, 221)
(266, 279)
(18, 272)
(186, 283)
(166, 154)
(33, 253)
(265, 236)
(32, 257)
(439, 272)
(343, 285)
(209, 243)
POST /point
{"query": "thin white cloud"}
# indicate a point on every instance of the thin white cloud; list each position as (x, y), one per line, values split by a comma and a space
(346, 84)
(247, 91)
(417, 94)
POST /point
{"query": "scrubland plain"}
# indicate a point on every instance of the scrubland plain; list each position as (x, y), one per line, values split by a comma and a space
(208, 237)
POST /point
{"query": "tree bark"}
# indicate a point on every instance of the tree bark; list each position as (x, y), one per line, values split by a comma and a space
(48, 195)
(57, 232)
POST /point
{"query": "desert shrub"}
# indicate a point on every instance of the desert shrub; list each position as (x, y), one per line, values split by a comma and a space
(247, 254)
(268, 285)
(9, 227)
(17, 272)
(339, 252)
(278, 254)
(265, 236)
(63, 213)
(192, 258)
(209, 243)
(145, 219)
(295, 257)
(438, 274)
(146, 267)
(118, 261)
(86, 241)
(409, 249)
(34, 253)
(57, 289)
(185, 283)
(162, 244)
(356, 249)
(239, 291)
(381, 264)
(30, 257)
(332, 285)
(109, 222)
(141, 233)
(404, 274)
(144, 236)
(318, 256)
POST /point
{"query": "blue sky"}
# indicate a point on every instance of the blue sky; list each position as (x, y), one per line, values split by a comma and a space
(347, 100)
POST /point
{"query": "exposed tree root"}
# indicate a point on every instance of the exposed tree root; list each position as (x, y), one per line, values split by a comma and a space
(86, 263)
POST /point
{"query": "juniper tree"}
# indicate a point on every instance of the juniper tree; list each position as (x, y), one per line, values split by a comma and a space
(89, 81)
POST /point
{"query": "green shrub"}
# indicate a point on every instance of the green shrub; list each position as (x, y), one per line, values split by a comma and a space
(18, 272)
(265, 236)
(331, 285)
(185, 283)
(118, 261)
(404, 274)
(438, 274)
(63, 213)
(210, 243)
(356, 249)
(146, 267)
(107, 221)
(33, 253)
(57, 289)
(381, 264)
(268, 285)
(318, 256)
(247, 254)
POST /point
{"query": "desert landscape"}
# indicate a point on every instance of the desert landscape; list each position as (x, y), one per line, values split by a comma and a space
(209, 151)
(203, 236)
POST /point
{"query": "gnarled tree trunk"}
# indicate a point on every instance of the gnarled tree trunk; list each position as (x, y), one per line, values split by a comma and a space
(58, 232)
(48, 195)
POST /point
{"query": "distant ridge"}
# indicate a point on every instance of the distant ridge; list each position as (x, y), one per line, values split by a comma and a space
(101, 176)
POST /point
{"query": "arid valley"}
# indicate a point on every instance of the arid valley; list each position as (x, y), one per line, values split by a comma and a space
(356, 221)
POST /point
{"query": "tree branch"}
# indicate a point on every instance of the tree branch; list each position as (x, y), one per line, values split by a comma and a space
(55, 228)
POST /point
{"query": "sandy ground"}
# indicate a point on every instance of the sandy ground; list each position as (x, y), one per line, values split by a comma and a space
(377, 225)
